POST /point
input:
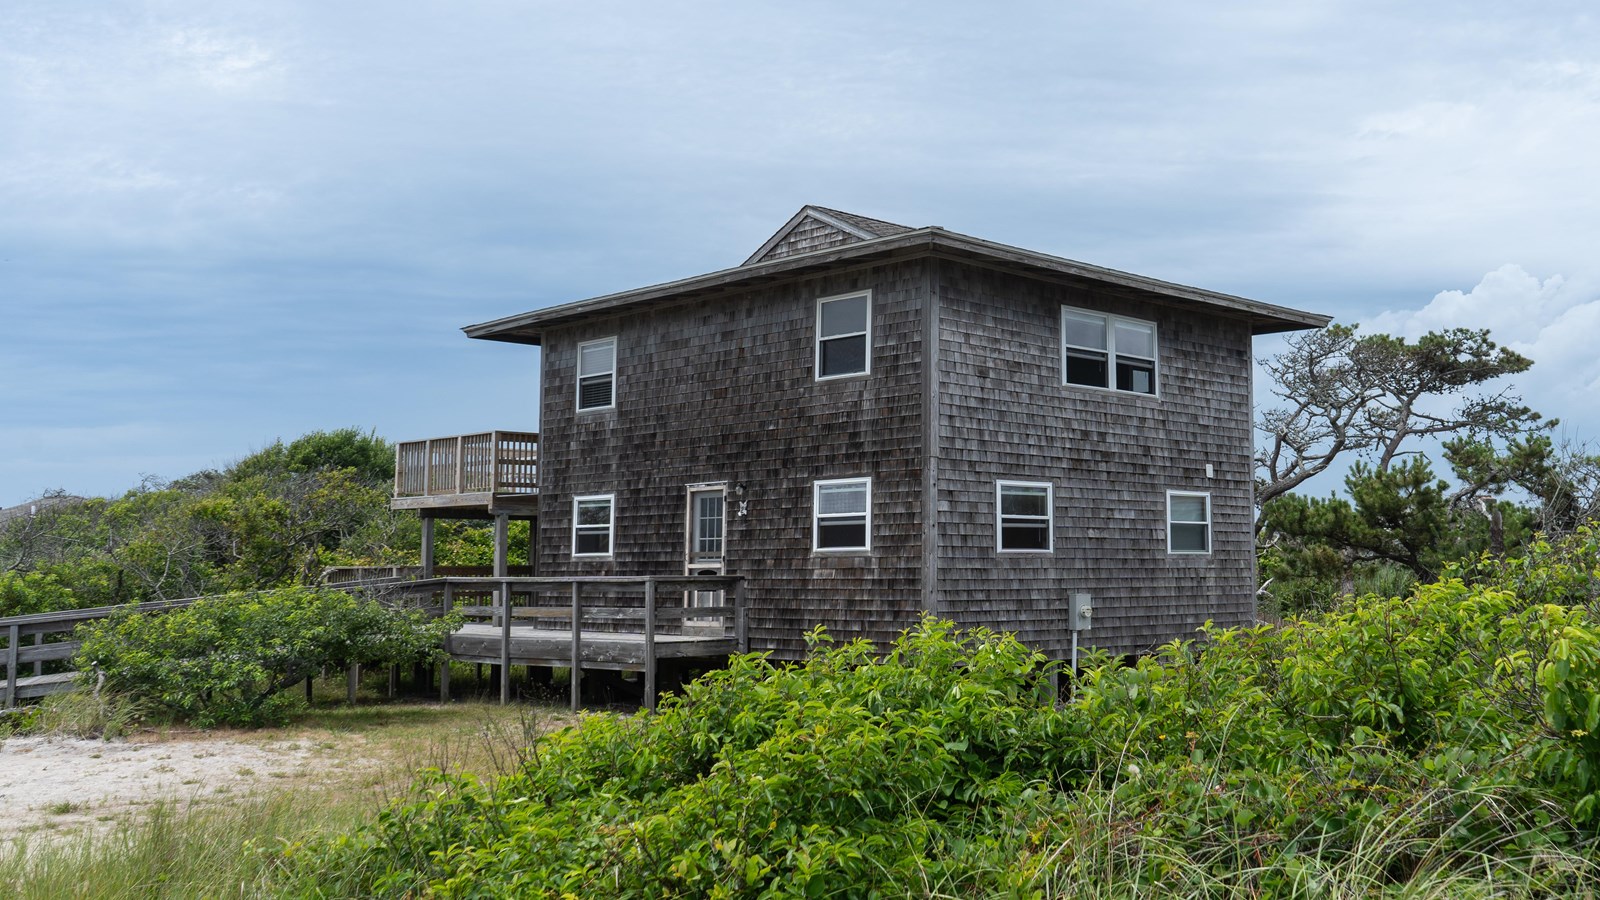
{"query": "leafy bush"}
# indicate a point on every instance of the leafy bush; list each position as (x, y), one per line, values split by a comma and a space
(227, 660)
(1441, 744)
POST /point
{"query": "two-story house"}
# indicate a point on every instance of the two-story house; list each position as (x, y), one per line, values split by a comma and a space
(867, 421)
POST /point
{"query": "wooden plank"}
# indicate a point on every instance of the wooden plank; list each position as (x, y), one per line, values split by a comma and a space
(444, 665)
(15, 635)
(352, 680)
(505, 638)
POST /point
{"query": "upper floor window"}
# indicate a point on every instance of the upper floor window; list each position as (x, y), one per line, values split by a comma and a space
(597, 374)
(592, 524)
(844, 335)
(1104, 351)
(1188, 522)
(843, 514)
(1023, 516)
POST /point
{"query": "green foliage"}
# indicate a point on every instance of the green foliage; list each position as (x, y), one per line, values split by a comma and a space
(276, 518)
(1446, 743)
(369, 457)
(228, 660)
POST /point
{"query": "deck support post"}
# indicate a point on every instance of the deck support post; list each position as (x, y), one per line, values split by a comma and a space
(15, 635)
(577, 646)
(427, 547)
(38, 664)
(741, 618)
(394, 681)
(310, 679)
(502, 532)
(505, 624)
(352, 680)
(650, 645)
(444, 664)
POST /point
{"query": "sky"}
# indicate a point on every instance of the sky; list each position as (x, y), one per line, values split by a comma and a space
(227, 223)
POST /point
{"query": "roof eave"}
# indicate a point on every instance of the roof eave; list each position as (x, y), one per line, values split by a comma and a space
(1265, 318)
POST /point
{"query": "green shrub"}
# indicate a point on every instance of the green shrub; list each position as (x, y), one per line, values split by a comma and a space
(1440, 744)
(228, 660)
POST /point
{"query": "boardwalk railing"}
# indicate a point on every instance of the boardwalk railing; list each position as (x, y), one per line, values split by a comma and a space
(490, 462)
(604, 622)
(358, 576)
(29, 645)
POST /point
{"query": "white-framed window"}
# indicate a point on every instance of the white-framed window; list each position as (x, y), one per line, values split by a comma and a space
(1106, 351)
(1024, 516)
(1188, 522)
(592, 524)
(842, 514)
(844, 335)
(597, 374)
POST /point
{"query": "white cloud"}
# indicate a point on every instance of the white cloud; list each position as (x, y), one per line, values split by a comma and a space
(221, 61)
(1553, 321)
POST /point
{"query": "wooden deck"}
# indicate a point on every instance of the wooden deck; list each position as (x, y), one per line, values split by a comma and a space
(491, 471)
(583, 622)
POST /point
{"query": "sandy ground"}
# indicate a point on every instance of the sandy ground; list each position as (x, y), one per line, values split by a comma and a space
(64, 785)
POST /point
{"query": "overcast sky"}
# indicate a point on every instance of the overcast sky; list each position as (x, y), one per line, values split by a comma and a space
(224, 223)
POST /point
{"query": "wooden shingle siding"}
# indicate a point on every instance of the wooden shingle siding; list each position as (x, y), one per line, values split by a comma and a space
(1112, 456)
(723, 390)
(810, 234)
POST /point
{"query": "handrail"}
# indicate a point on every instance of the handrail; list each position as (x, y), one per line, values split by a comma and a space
(502, 612)
(497, 462)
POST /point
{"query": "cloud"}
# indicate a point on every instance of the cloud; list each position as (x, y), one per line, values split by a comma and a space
(1553, 321)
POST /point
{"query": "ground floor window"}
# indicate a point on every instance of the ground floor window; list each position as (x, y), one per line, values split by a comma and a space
(843, 514)
(1188, 522)
(1023, 516)
(592, 524)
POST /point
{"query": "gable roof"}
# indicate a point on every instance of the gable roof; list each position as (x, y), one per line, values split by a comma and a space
(819, 228)
(842, 240)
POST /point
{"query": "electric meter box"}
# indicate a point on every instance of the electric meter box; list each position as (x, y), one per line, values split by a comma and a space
(1079, 612)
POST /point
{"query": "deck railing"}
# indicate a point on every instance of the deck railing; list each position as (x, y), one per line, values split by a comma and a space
(562, 601)
(51, 634)
(489, 462)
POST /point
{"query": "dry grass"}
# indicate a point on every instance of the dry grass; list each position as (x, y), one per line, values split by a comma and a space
(226, 844)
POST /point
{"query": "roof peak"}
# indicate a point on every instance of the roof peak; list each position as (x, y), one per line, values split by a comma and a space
(816, 228)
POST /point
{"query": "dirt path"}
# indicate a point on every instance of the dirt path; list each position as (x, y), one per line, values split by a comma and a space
(64, 785)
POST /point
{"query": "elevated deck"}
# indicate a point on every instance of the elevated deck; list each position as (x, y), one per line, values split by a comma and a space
(469, 475)
(582, 623)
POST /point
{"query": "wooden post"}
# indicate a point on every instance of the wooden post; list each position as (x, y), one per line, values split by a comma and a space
(444, 665)
(309, 680)
(427, 546)
(577, 646)
(650, 645)
(533, 545)
(15, 635)
(352, 680)
(741, 618)
(502, 531)
(38, 664)
(394, 681)
(505, 638)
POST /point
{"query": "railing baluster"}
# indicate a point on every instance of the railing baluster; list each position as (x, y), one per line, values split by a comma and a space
(650, 645)
(577, 646)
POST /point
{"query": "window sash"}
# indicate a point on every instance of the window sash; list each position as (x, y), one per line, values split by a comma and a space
(593, 523)
(1093, 356)
(1188, 522)
(1018, 531)
(597, 374)
(846, 525)
(844, 336)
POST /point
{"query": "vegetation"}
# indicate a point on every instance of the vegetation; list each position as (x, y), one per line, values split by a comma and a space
(1397, 409)
(276, 518)
(228, 660)
(1442, 744)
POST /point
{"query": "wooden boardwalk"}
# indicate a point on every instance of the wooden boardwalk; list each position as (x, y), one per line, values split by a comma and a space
(596, 623)
(33, 640)
(581, 623)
